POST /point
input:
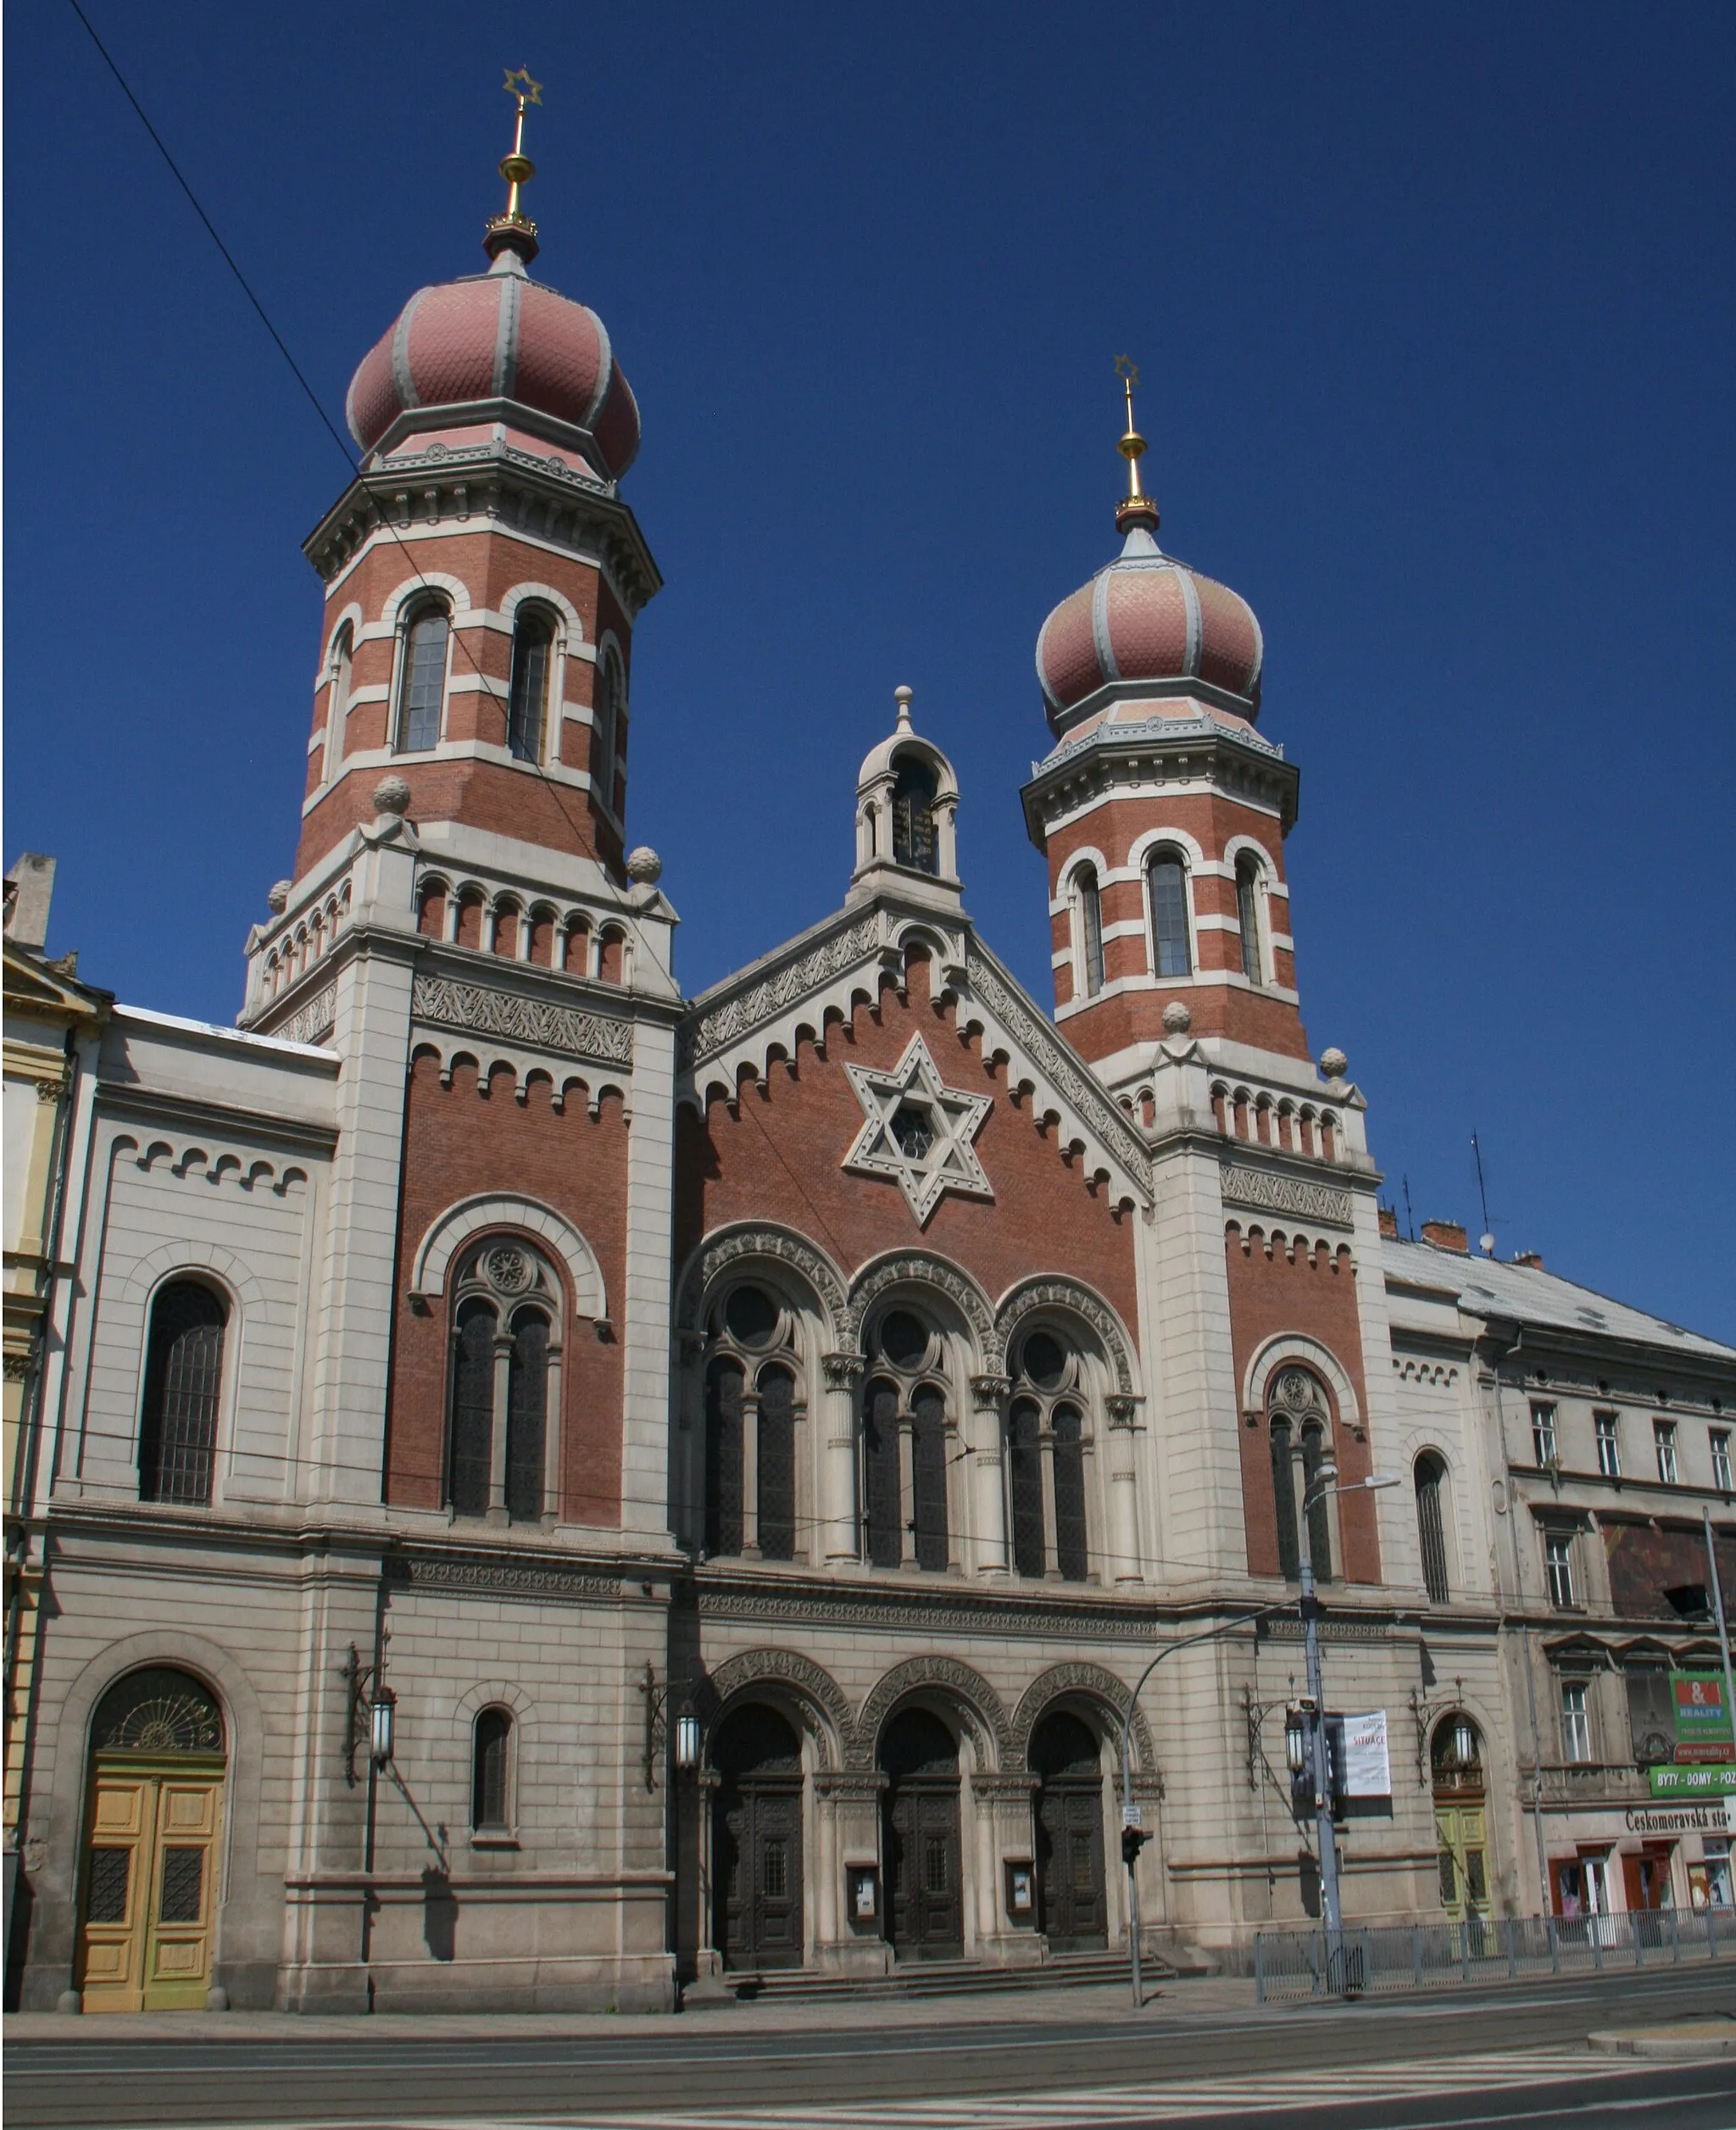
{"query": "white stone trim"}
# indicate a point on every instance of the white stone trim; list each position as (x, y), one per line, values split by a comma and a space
(1308, 1352)
(456, 1225)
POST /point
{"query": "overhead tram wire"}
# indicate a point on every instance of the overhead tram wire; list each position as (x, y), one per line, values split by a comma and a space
(351, 463)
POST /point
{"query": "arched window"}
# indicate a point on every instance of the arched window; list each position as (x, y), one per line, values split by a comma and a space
(527, 701)
(337, 698)
(1247, 919)
(1088, 936)
(504, 1396)
(906, 1442)
(610, 696)
(1171, 946)
(1046, 1442)
(1431, 1525)
(914, 840)
(183, 1385)
(1299, 1434)
(491, 1774)
(422, 691)
(752, 1411)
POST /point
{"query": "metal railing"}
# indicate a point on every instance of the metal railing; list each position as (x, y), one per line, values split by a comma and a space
(1382, 1958)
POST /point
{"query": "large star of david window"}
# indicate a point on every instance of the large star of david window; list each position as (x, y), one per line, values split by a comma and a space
(920, 1132)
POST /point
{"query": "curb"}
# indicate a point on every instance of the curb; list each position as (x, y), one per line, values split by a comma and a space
(1717, 2038)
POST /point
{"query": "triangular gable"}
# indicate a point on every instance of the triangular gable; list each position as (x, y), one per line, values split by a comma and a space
(47, 986)
(766, 1010)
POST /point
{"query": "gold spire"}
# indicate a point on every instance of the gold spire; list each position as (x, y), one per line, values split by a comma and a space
(1136, 507)
(513, 230)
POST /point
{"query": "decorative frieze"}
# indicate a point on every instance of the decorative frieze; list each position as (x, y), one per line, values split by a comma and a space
(1274, 1191)
(502, 1578)
(723, 1024)
(312, 1021)
(566, 1030)
(932, 1609)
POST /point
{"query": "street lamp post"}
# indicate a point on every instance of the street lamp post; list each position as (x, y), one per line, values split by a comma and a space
(1325, 1481)
(1132, 1839)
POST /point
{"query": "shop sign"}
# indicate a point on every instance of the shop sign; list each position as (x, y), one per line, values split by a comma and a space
(1689, 1818)
(1702, 1720)
(1693, 1781)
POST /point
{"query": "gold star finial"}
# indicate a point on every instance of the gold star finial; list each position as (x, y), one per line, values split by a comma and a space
(1136, 507)
(513, 231)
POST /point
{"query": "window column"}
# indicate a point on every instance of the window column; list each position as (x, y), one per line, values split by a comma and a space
(839, 1506)
(906, 1424)
(988, 1398)
(750, 1475)
(497, 1439)
(1123, 1489)
(551, 1439)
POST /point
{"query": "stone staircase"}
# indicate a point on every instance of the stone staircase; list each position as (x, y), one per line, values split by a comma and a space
(933, 1978)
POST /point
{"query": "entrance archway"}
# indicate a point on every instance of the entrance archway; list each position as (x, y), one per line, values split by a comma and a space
(1461, 1821)
(756, 1841)
(1072, 1900)
(152, 1841)
(925, 1907)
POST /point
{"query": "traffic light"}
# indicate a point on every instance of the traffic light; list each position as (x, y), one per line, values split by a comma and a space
(1133, 1841)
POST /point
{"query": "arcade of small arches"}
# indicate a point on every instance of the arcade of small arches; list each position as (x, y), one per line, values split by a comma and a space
(570, 1090)
(929, 1821)
(904, 1423)
(314, 935)
(463, 913)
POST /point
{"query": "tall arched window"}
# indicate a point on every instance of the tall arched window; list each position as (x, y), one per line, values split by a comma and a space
(1046, 1443)
(1299, 1434)
(1431, 1525)
(504, 1394)
(1171, 946)
(610, 695)
(1247, 919)
(337, 698)
(527, 701)
(914, 842)
(422, 691)
(1089, 936)
(491, 1773)
(183, 1385)
(906, 1442)
(752, 1411)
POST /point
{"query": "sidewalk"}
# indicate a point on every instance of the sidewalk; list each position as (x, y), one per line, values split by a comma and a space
(1184, 2000)
(1686, 2038)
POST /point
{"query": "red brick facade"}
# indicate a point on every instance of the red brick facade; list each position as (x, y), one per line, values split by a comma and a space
(1277, 1286)
(777, 1156)
(459, 1144)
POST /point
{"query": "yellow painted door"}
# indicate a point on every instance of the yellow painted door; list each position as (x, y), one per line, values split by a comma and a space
(1462, 1840)
(150, 1888)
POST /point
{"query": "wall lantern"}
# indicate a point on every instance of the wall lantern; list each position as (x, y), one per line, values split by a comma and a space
(1463, 1742)
(1295, 1738)
(380, 1714)
(686, 1742)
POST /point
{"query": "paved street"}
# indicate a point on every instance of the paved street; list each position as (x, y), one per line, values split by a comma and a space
(1200, 2052)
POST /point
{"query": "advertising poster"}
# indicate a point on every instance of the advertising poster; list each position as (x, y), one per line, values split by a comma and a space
(1702, 1720)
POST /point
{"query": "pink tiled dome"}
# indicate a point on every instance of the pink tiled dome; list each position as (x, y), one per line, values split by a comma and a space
(1146, 617)
(498, 336)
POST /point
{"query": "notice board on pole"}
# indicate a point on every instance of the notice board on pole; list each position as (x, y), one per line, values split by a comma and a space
(1364, 1767)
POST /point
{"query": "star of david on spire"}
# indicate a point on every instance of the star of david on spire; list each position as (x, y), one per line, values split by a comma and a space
(920, 1132)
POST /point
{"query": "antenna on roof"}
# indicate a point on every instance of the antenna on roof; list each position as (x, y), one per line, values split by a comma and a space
(1486, 1241)
(1410, 1217)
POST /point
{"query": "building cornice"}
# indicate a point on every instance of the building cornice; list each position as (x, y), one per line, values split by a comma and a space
(1160, 750)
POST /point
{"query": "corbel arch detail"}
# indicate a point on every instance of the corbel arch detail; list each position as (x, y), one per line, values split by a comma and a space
(1297, 1347)
(1071, 1297)
(825, 1706)
(924, 1269)
(1082, 1682)
(455, 1226)
(744, 1242)
(948, 1680)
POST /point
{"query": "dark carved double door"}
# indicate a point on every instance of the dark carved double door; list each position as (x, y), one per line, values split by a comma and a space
(1073, 1905)
(757, 1843)
(925, 1889)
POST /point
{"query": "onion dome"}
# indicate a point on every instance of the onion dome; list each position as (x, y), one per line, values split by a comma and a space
(1146, 619)
(500, 336)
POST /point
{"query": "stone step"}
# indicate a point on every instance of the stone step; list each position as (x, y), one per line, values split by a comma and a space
(942, 1978)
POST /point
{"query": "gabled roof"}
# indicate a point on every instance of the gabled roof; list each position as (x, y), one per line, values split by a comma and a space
(52, 987)
(1526, 1294)
(769, 1006)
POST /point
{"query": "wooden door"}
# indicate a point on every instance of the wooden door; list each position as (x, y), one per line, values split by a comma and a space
(760, 1868)
(1461, 1838)
(150, 1871)
(926, 1911)
(1074, 1903)
(1648, 1876)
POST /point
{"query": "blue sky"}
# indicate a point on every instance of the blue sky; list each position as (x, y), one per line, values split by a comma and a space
(1434, 310)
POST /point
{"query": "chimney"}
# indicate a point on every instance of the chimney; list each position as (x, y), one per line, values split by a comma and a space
(28, 886)
(1532, 1257)
(1389, 1222)
(1447, 1235)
